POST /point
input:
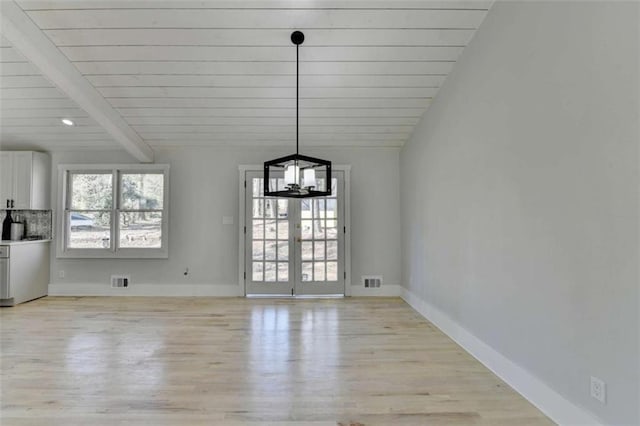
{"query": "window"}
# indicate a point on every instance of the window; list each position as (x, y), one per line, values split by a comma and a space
(114, 211)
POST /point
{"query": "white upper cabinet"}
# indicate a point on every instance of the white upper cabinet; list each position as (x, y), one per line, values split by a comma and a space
(6, 179)
(24, 180)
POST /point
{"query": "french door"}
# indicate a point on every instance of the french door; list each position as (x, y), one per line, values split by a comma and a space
(294, 246)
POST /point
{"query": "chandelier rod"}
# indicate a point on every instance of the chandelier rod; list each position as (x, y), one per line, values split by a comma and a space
(297, 94)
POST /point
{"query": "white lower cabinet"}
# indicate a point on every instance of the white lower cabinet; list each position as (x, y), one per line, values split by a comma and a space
(24, 270)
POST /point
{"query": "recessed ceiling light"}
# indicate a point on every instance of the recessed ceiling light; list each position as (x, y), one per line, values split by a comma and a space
(67, 122)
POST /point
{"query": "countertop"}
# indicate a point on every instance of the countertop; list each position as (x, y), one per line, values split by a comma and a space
(15, 243)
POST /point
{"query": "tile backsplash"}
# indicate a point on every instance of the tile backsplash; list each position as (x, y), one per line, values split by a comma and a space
(38, 223)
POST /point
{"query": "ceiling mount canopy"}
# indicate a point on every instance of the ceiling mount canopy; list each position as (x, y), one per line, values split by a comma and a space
(303, 176)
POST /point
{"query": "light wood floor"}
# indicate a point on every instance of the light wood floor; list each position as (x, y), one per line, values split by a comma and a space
(204, 361)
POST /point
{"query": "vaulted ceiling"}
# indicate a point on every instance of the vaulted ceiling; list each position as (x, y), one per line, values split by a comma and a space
(156, 73)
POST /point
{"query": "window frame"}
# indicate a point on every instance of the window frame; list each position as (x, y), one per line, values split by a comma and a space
(114, 251)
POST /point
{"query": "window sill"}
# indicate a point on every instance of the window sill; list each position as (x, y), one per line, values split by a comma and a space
(108, 254)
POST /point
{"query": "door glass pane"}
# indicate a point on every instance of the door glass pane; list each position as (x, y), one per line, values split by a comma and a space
(305, 209)
(258, 250)
(283, 250)
(140, 229)
(270, 208)
(258, 229)
(257, 271)
(307, 271)
(307, 229)
(258, 188)
(318, 209)
(283, 230)
(332, 208)
(318, 271)
(332, 229)
(270, 250)
(142, 191)
(318, 250)
(318, 229)
(332, 271)
(283, 209)
(89, 230)
(307, 250)
(332, 250)
(270, 271)
(270, 229)
(283, 272)
(258, 208)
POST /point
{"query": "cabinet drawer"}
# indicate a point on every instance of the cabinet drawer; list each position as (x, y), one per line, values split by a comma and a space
(4, 251)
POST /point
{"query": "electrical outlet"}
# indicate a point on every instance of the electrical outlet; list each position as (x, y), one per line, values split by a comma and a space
(61, 274)
(598, 389)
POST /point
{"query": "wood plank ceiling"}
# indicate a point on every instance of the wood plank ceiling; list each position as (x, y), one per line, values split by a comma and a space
(31, 109)
(185, 73)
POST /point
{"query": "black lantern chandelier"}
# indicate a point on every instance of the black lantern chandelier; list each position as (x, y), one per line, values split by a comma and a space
(302, 174)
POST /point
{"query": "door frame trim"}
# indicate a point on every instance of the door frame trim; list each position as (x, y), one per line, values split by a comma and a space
(242, 170)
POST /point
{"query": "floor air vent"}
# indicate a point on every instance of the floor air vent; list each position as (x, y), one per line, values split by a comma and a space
(119, 281)
(372, 281)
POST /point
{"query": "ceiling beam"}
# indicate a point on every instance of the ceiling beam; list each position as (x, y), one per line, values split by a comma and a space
(24, 34)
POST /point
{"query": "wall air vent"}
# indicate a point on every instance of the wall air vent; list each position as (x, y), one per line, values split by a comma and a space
(120, 281)
(372, 281)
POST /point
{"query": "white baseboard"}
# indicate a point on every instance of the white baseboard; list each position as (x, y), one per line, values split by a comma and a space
(183, 290)
(177, 290)
(386, 290)
(551, 403)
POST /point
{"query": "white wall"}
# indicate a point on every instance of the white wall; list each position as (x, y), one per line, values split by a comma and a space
(204, 188)
(520, 197)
